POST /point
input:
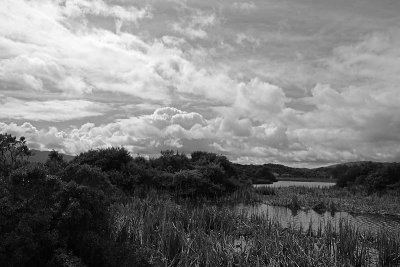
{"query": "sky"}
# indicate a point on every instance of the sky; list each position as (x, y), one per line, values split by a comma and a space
(298, 82)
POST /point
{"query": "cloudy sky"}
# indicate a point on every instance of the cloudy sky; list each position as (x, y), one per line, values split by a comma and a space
(299, 82)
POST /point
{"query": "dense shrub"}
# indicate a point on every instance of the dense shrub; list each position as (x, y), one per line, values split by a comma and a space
(370, 175)
(85, 174)
(256, 173)
(171, 162)
(106, 159)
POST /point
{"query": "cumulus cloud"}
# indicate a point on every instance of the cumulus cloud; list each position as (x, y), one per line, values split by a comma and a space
(240, 139)
(259, 100)
(146, 134)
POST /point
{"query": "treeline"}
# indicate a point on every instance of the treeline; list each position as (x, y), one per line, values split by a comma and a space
(370, 176)
(258, 174)
(288, 172)
(58, 213)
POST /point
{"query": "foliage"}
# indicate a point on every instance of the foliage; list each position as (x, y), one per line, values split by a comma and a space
(205, 235)
(258, 174)
(371, 176)
(106, 159)
(106, 208)
(285, 171)
(171, 162)
(57, 213)
(55, 162)
(13, 153)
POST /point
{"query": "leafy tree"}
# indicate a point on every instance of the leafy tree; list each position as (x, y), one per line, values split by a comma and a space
(13, 152)
(265, 173)
(201, 157)
(27, 237)
(55, 162)
(171, 161)
(90, 176)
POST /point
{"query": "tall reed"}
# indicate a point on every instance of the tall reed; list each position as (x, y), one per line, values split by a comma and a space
(209, 235)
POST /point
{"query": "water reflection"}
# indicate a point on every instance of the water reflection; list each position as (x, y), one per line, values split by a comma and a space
(301, 218)
(296, 183)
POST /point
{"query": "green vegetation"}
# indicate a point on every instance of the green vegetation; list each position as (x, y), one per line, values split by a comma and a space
(369, 176)
(183, 235)
(334, 199)
(13, 153)
(106, 208)
(60, 213)
(285, 172)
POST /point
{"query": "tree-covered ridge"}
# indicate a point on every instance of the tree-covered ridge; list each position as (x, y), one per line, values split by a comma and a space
(283, 171)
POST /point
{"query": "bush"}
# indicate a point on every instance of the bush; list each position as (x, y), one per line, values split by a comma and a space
(88, 175)
(372, 176)
(107, 159)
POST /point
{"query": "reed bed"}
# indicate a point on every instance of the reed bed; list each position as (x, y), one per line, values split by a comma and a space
(334, 199)
(210, 235)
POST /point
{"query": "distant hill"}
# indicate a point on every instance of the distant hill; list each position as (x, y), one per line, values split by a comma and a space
(282, 172)
(41, 156)
(258, 174)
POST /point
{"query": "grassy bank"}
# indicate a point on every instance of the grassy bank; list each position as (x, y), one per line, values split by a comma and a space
(169, 234)
(333, 199)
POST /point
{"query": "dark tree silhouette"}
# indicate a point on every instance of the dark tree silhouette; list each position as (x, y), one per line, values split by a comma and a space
(13, 152)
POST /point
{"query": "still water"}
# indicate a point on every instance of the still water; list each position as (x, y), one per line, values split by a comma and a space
(305, 218)
(296, 183)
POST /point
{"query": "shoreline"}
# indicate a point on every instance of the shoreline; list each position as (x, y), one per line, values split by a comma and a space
(301, 179)
(332, 200)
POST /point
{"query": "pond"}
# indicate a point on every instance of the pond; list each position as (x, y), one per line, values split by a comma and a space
(305, 218)
(296, 183)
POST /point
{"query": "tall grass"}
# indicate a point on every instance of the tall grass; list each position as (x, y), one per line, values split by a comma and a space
(208, 235)
(334, 199)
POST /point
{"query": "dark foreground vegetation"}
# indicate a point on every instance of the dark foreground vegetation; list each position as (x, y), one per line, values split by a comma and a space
(105, 208)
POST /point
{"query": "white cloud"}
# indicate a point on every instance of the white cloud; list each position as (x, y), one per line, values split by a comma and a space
(52, 110)
(241, 139)
(259, 100)
(78, 8)
(53, 54)
(246, 6)
(234, 102)
(146, 134)
(194, 27)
